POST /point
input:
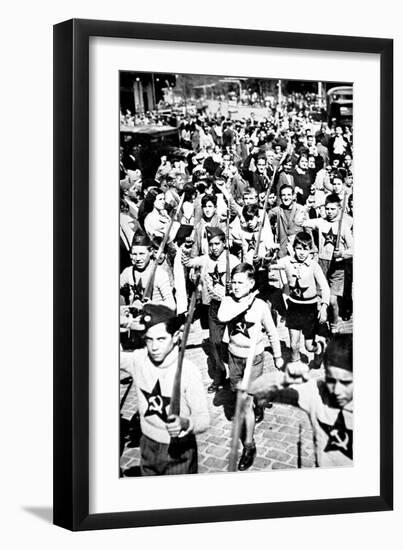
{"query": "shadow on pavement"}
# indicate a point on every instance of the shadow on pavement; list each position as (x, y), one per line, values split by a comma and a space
(227, 399)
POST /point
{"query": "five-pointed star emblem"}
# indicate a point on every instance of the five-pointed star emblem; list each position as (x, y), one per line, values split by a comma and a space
(297, 291)
(216, 276)
(157, 403)
(241, 327)
(330, 237)
(340, 438)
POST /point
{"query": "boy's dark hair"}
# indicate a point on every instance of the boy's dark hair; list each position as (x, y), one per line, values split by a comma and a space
(339, 352)
(189, 191)
(338, 175)
(244, 268)
(250, 190)
(208, 198)
(319, 163)
(249, 211)
(304, 239)
(286, 186)
(332, 198)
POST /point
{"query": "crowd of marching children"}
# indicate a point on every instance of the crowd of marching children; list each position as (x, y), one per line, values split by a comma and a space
(251, 230)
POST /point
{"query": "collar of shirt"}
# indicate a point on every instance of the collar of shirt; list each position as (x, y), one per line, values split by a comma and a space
(308, 261)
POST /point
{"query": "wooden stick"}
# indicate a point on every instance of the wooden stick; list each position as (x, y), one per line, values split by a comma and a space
(174, 408)
(337, 246)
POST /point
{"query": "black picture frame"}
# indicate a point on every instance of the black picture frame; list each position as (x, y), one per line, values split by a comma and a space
(71, 273)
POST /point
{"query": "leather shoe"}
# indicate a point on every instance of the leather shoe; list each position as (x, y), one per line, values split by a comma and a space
(259, 413)
(247, 458)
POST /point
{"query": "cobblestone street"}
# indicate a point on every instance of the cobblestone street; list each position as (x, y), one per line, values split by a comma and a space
(283, 438)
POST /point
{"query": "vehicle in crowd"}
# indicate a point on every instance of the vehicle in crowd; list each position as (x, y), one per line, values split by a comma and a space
(340, 105)
(151, 142)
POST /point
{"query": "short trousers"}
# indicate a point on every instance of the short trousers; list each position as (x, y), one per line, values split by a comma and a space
(302, 317)
(236, 368)
(334, 272)
(178, 457)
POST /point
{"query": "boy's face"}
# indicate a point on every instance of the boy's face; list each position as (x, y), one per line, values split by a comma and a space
(241, 285)
(337, 185)
(301, 252)
(250, 198)
(272, 199)
(270, 155)
(140, 256)
(261, 166)
(159, 203)
(286, 197)
(216, 247)
(159, 342)
(303, 163)
(339, 383)
(209, 210)
(332, 211)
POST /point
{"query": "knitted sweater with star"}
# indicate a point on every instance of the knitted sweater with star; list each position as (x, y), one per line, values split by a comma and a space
(154, 388)
(213, 275)
(243, 319)
(138, 280)
(327, 231)
(304, 278)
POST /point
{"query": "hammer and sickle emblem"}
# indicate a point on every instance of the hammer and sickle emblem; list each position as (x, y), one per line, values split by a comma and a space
(156, 404)
(337, 441)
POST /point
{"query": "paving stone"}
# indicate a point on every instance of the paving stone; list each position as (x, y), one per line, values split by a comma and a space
(280, 466)
(216, 451)
(217, 464)
(276, 454)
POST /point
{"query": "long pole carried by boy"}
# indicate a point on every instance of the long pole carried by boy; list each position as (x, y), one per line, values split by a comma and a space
(174, 408)
(343, 209)
(241, 397)
(227, 259)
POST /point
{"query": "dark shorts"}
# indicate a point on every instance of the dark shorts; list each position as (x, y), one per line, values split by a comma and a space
(236, 368)
(334, 272)
(179, 457)
(302, 317)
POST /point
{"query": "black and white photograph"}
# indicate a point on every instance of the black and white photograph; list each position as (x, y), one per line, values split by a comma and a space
(235, 274)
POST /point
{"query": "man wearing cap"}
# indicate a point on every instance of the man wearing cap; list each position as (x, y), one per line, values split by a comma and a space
(168, 443)
(135, 279)
(215, 272)
(328, 402)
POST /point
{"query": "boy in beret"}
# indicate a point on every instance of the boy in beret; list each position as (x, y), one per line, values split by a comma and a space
(328, 401)
(135, 278)
(168, 443)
